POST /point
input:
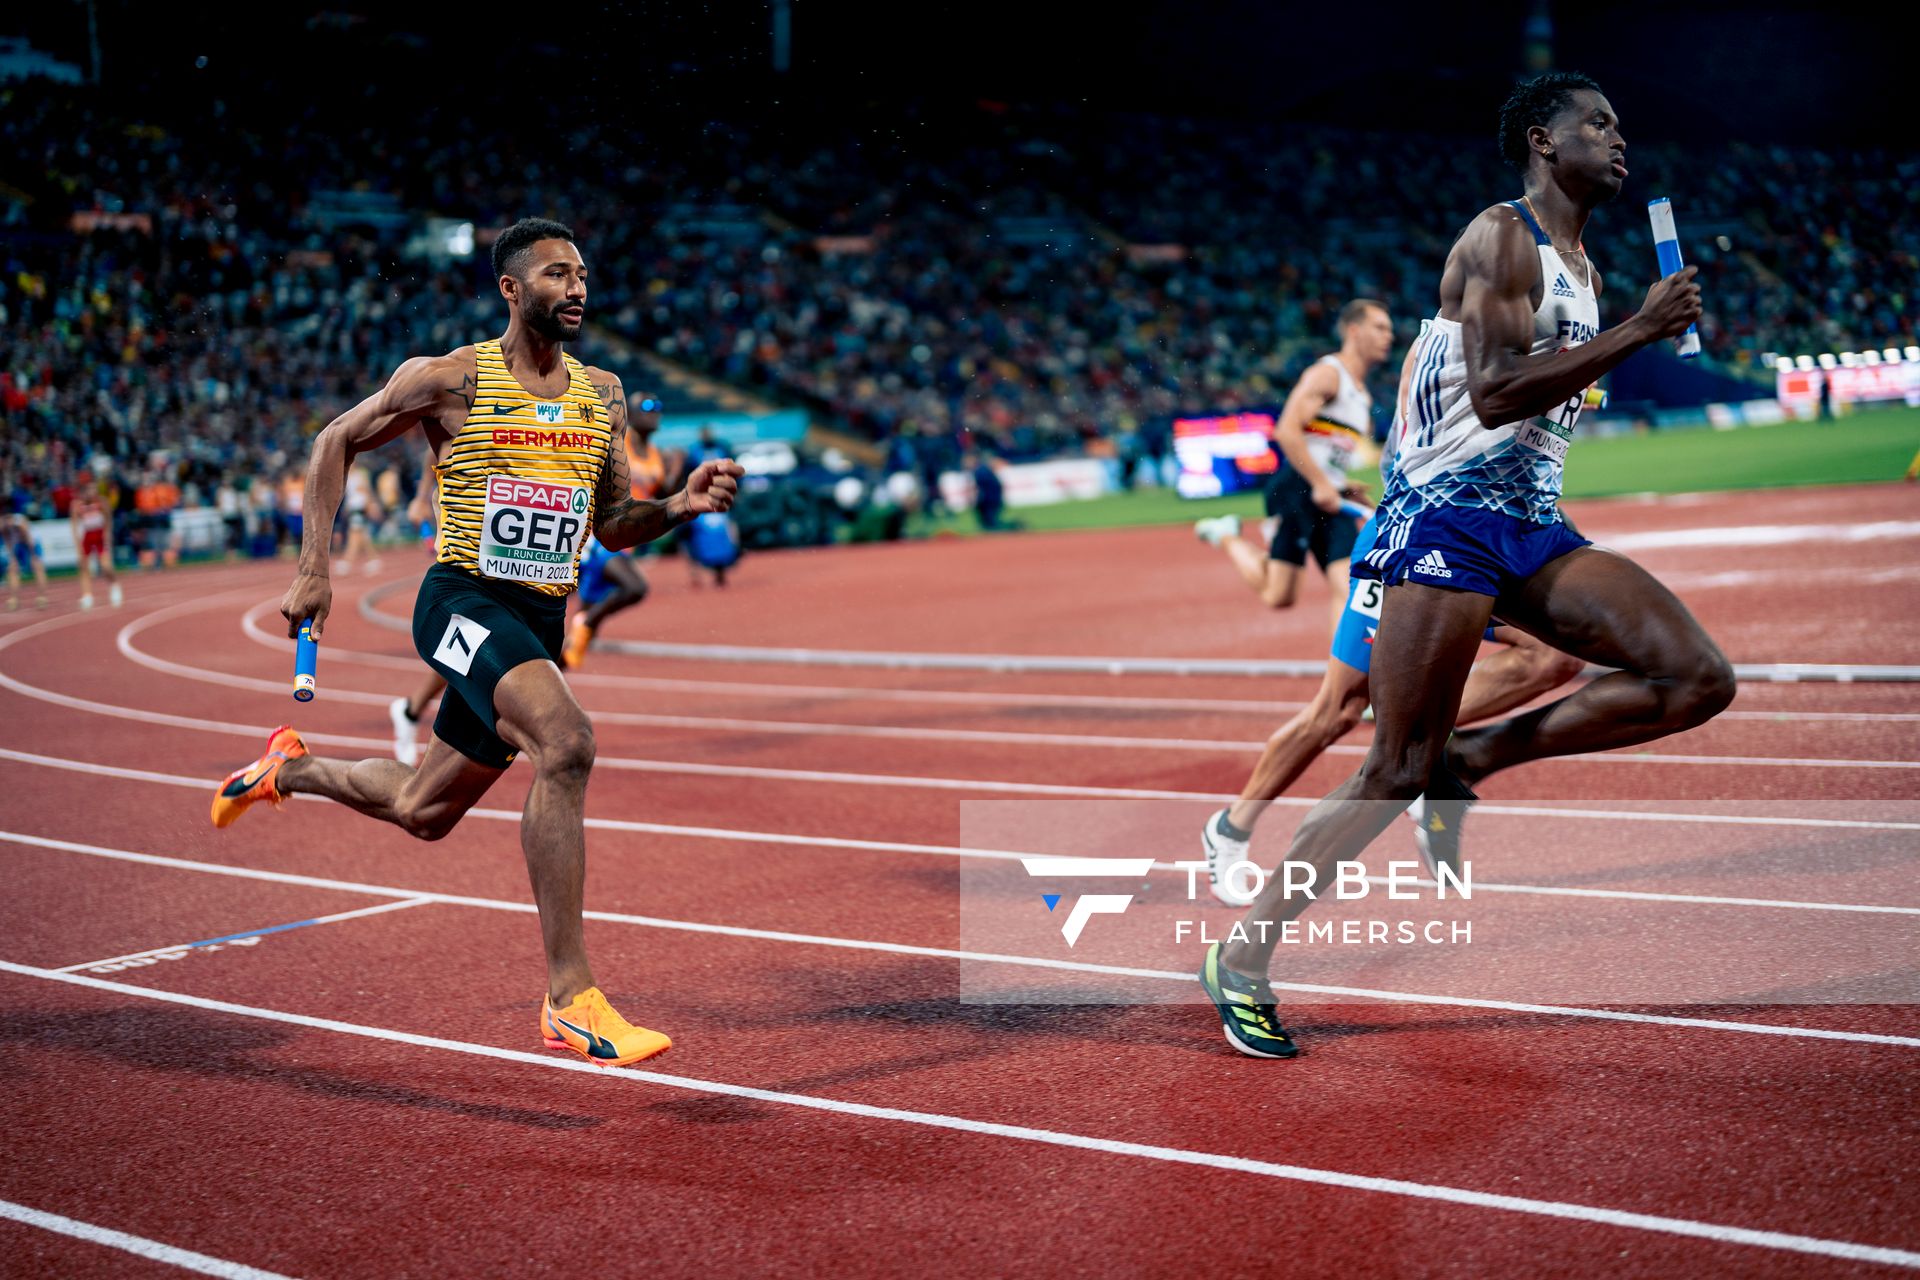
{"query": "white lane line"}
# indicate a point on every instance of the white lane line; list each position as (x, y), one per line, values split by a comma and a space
(945, 784)
(186, 1259)
(1029, 664)
(1774, 673)
(713, 724)
(949, 953)
(1761, 535)
(1717, 1232)
(739, 835)
(182, 948)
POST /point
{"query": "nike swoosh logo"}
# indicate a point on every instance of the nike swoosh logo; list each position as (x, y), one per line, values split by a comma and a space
(597, 1046)
(249, 782)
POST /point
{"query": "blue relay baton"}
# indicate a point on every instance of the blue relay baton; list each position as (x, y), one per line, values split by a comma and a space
(1666, 248)
(1359, 511)
(306, 656)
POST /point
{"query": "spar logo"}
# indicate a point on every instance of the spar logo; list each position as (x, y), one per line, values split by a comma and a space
(1087, 905)
(531, 520)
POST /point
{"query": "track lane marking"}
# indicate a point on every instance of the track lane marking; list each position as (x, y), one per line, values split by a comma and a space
(859, 692)
(1716, 1232)
(720, 724)
(381, 746)
(377, 909)
(173, 1255)
(951, 953)
(1007, 855)
(124, 642)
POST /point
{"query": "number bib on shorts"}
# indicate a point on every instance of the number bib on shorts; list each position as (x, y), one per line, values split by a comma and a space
(1365, 596)
(533, 530)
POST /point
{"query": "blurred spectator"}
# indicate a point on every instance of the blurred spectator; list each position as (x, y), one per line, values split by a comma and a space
(1025, 280)
(989, 496)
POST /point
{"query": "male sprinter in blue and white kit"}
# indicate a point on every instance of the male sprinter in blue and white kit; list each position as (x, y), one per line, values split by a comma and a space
(1515, 676)
(1470, 526)
(525, 445)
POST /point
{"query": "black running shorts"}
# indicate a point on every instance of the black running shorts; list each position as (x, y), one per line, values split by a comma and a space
(473, 632)
(1304, 527)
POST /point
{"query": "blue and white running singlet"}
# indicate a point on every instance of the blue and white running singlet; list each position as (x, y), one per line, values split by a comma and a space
(1447, 457)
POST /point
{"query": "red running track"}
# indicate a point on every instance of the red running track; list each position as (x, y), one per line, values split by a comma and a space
(365, 1096)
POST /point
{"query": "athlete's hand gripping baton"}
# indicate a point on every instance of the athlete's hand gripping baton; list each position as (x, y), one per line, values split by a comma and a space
(1666, 248)
(306, 656)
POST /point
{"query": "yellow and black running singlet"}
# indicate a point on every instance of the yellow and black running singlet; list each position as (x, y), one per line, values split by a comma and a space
(518, 483)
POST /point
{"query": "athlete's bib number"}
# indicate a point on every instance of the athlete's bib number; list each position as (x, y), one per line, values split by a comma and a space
(1552, 433)
(533, 530)
(1333, 454)
(1365, 597)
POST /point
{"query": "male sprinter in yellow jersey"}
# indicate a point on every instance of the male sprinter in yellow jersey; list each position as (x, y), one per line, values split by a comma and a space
(526, 442)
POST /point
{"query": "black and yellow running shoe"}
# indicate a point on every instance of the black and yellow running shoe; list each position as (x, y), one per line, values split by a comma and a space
(1246, 1010)
(1436, 830)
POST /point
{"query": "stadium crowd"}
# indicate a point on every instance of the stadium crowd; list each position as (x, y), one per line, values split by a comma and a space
(178, 320)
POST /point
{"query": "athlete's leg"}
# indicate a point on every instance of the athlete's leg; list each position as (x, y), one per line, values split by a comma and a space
(1337, 583)
(538, 716)
(1515, 676)
(404, 714)
(1421, 655)
(86, 575)
(629, 589)
(430, 688)
(426, 802)
(1334, 711)
(1604, 608)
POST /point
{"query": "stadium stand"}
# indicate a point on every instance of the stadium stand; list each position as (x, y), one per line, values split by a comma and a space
(1034, 282)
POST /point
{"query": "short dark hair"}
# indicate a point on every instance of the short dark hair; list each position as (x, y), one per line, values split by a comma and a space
(1355, 309)
(1532, 102)
(510, 248)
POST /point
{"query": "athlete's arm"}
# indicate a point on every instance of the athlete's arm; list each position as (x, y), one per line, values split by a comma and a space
(418, 390)
(1317, 386)
(622, 520)
(426, 495)
(1501, 266)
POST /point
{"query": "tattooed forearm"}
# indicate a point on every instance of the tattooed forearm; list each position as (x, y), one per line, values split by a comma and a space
(632, 521)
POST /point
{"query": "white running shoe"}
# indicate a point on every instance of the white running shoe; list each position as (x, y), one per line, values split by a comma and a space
(1222, 852)
(114, 594)
(1217, 529)
(86, 602)
(406, 730)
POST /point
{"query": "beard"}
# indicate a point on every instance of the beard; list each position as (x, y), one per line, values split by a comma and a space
(544, 322)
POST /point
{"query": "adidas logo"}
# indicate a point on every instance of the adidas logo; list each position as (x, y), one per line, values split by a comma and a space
(1561, 289)
(1433, 565)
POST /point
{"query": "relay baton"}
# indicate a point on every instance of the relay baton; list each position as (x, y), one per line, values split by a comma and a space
(1359, 511)
(306, 655)
(1666, 247)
